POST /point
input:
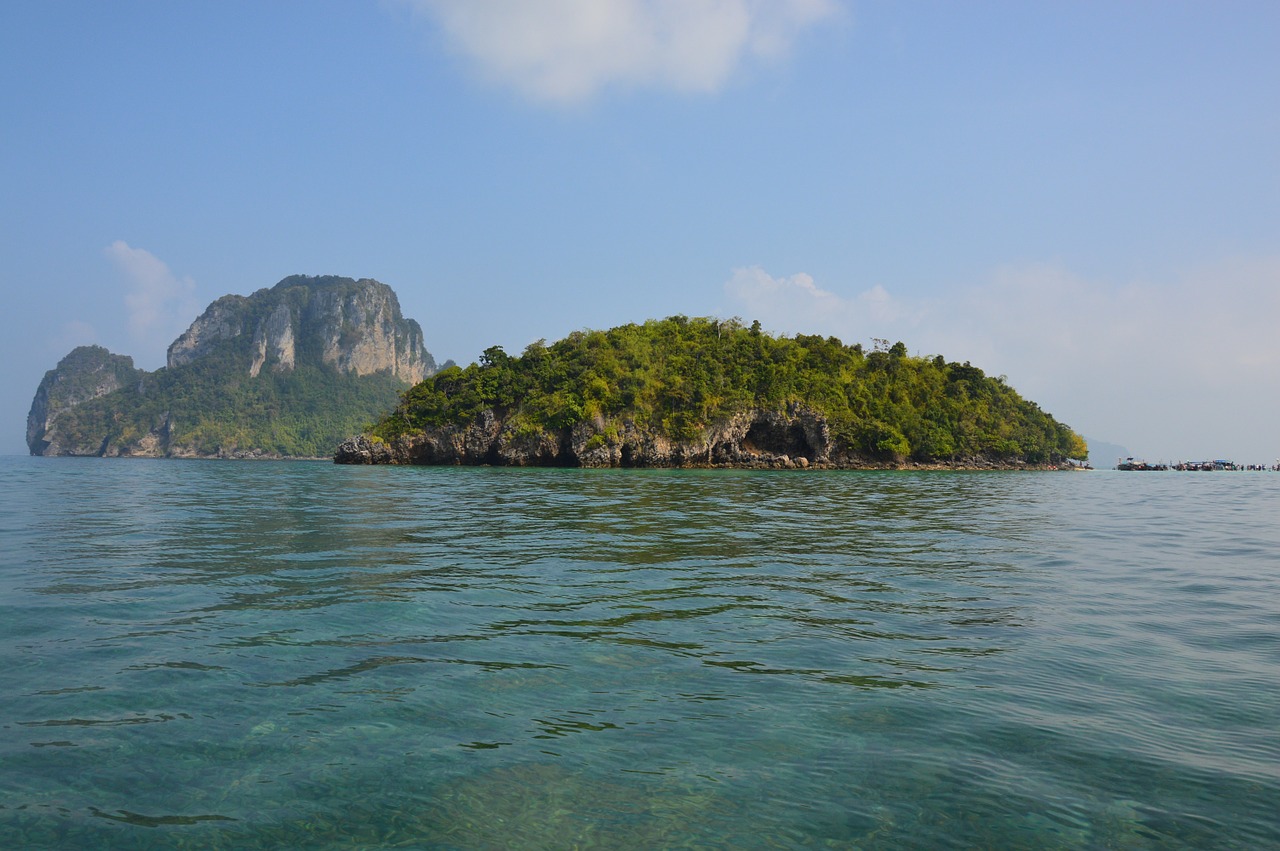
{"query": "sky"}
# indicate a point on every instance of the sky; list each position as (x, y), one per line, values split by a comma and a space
(1083, 197)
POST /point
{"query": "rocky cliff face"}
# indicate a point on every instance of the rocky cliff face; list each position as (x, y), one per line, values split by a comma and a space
(287, 371)
(796, 438)
(87, 373)
(353, 326)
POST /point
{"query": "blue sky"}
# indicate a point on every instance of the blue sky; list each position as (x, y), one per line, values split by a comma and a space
(1084, 197)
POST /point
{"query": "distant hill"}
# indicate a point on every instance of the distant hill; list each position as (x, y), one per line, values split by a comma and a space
(704, 392)
(1105, 455)
(286, 372)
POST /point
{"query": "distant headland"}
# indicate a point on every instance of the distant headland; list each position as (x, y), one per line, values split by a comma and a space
(286, 372)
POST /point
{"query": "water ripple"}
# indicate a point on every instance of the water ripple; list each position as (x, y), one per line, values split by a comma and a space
(479, 658)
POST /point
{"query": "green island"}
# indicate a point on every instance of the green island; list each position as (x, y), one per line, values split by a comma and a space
(285, 372)
(703, 392)
(213, 408)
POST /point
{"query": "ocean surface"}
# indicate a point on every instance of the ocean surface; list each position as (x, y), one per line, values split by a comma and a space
(298, 655)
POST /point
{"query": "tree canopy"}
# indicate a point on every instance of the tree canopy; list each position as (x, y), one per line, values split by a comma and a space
(677, 376)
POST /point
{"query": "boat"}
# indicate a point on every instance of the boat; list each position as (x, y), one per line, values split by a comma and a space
(1206, 466)
(1140, 466)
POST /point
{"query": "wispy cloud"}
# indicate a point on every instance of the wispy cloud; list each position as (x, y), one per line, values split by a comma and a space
(565, 51)
(160, 304)
(795, 304)
(1166, 367)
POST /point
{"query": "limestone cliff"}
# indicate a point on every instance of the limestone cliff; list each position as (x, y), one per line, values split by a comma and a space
(285, 372)
(795, 439)
(87, 373)
(353, 326)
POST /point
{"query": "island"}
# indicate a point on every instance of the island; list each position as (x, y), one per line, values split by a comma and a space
(705, 392)
(286, 372)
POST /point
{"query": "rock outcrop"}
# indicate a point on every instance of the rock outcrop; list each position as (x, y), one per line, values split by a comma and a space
(284, 372)
(798, 438)
(85, 374)
(353, 326)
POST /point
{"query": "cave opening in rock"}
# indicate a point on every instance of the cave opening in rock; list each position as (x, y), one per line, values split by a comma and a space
(767, 438)
(799, 442)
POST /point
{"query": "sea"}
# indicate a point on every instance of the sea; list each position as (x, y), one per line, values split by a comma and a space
(241, 655)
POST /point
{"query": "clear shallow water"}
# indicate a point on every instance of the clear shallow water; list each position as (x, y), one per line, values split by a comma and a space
(241, 655)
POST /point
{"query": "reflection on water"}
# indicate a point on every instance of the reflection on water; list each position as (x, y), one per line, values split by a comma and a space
(282, 655)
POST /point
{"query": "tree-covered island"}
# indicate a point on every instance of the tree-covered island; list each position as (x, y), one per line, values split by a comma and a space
(702, 392)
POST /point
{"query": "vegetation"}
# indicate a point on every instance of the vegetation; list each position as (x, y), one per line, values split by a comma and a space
(86, 369)
(213, 407)
(226, 391)
(679, 375)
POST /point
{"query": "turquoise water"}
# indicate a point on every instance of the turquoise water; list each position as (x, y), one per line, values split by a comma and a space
(277, 655)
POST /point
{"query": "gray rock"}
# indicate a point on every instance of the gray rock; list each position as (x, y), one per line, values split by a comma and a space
(798, 437)
(355, 326)
(86, 373)
(350, 326)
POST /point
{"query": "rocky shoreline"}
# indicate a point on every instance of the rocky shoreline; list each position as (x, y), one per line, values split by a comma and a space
(797, 439)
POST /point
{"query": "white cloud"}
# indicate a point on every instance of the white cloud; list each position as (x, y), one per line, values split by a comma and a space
(567, 50)
(1168, 368)
(160, 304)
(795, 304)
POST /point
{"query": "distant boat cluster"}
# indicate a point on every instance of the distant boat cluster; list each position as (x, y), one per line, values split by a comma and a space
(1195, 466)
